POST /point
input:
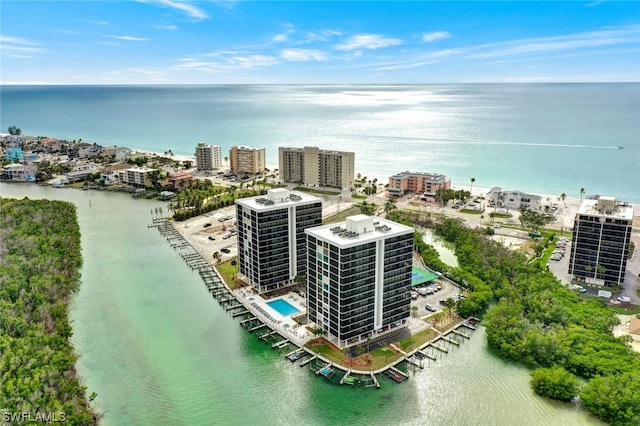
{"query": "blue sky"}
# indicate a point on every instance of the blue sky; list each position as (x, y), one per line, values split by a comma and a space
(219, 42)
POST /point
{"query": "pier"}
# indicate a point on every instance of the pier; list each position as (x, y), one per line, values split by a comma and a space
(426, 355)
(440, 348)
(257, 327)
(459, 333)
(453, 342)
(248, 320)
(240, 305)
(281, 344)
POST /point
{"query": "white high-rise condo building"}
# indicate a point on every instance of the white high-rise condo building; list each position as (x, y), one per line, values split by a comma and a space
(359, 278)
(208, 157)
(271, 238)
(316, 167)
(601, 239)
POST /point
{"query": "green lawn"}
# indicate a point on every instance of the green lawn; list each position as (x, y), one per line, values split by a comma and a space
(342, 216)
(315, 191)
(228, 272)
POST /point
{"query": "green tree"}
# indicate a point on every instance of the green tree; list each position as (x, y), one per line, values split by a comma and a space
(472, 181)
(13, 130)
(534, 220)
(555, 383)
(614, 399)
(581, 194)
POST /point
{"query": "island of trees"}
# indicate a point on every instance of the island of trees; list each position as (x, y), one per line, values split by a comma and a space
(40, 261)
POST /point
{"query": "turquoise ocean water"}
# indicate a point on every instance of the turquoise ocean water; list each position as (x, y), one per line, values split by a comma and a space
(544, 138)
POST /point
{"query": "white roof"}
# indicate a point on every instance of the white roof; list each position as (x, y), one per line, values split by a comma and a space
(277, 198)
(592, 208)
(357, 230)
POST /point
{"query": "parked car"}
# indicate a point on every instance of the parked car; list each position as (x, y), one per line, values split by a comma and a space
(624, 299)
(212, 238)
(430, 307)
(225, 250)
(206, 225)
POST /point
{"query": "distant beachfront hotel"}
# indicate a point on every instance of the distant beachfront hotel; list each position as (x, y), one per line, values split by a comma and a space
(417, 183)
(358, 278)
(271, 238)
(601, 238)
(208, 157)
(316, 167)
(247, 160)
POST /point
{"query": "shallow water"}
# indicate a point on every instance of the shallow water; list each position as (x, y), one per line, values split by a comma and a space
(158, 349)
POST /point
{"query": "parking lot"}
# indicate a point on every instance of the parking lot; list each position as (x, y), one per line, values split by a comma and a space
(447, 290)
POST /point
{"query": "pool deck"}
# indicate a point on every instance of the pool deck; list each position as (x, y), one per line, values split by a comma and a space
(284, 325)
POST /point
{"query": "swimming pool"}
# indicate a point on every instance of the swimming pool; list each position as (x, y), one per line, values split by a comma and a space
(283, 307)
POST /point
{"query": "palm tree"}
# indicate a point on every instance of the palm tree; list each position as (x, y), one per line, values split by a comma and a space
(472, 180)
(563, 197)
(581, 194)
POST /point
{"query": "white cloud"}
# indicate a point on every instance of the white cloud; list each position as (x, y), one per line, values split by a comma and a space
(17, 44)
(189, 9)
(15, 40)
(303, 55)
(226, 63)
(165, 27)
(436, 35)
(586, 40)
(323, 35)
(280, 38)
(130, 38)
(368, 41)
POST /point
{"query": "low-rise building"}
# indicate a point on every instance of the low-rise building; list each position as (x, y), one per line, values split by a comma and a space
(514, 200)
(139, 177)
(113, 174)
(180, 180)
(19, 172)
(427, 184)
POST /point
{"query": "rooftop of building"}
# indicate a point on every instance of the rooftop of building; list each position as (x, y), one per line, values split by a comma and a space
(247, 148)
(277, 198)
(606, 207)
(432, 176)
(359, 229)
(496, 190)
(323, 151)
(116, 167)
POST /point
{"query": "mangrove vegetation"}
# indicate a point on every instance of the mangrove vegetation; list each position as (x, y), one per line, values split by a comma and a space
(40, 263)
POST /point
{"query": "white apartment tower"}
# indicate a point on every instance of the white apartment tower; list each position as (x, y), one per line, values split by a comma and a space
(359, 278)
(317, 167)
(271, 238)
(208, 157)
